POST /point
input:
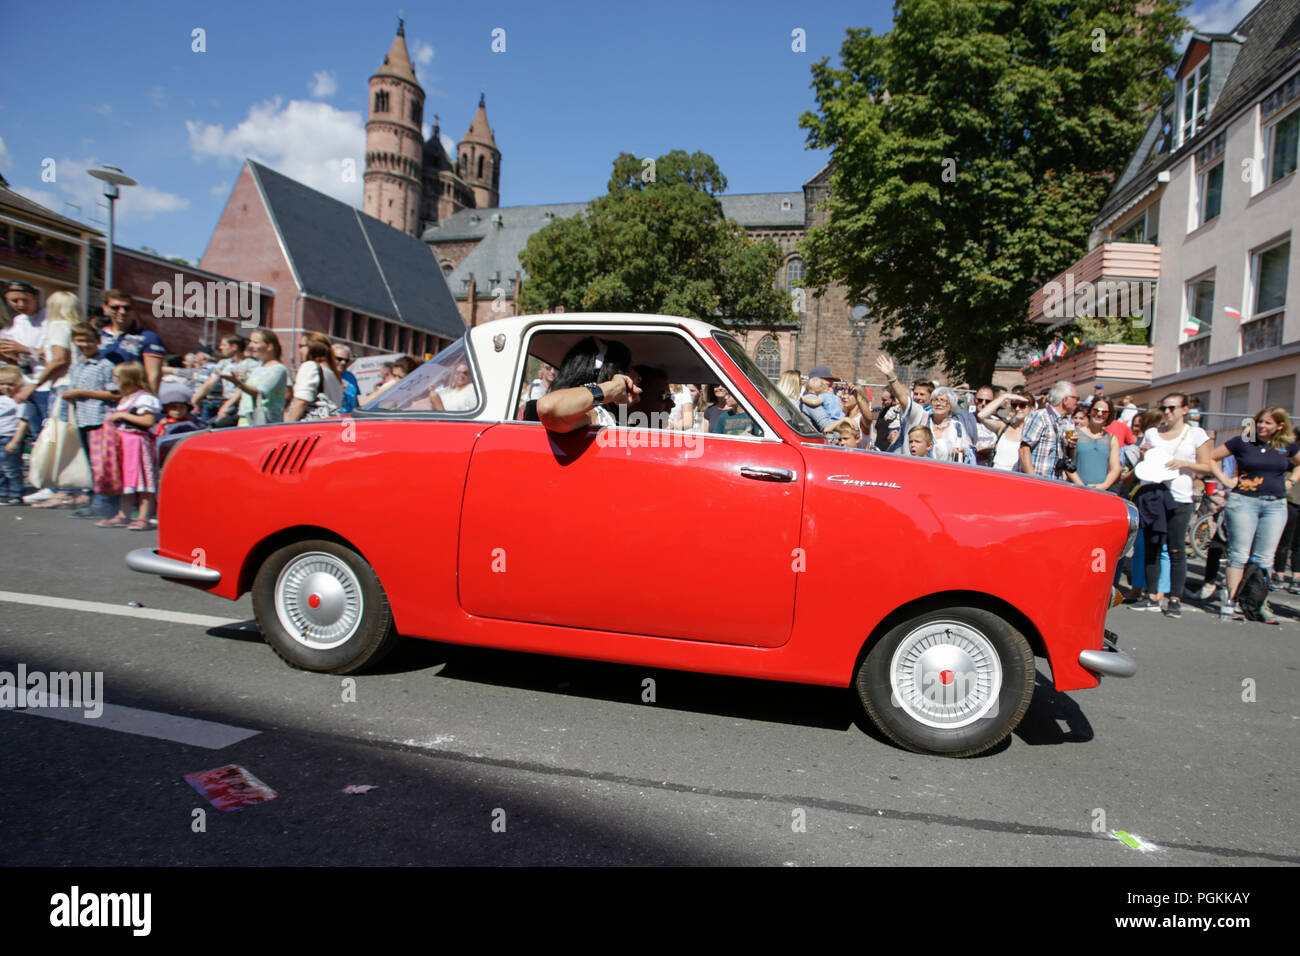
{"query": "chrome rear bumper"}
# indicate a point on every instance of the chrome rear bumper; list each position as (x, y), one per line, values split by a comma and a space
(1110, 661)
(149, 561)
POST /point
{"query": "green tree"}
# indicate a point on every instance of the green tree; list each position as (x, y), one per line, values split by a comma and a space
(656, 242)
(972, 146)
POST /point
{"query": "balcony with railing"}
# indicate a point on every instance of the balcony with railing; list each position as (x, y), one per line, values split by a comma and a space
(1111, 366)
(1194, 353)
(1259, 334)
(1115, 279)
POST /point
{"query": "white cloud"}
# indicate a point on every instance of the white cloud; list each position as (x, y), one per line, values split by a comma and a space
(306, 141)
(157, 96)
(448, 144)
(104, 109)
(73, 184)
(1218, 16)
(422, 53)
(5, 158)
(323, 83)
(220, 190)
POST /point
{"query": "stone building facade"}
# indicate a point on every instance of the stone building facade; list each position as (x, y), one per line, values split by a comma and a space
(411, 182)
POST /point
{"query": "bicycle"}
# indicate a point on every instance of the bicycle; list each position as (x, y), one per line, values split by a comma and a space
(1207, 523)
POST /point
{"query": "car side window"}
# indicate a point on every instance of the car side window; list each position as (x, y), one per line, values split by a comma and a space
(668, 369)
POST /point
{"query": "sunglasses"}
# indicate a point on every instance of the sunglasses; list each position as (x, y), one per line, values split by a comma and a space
(1170, 408)
(118, 308)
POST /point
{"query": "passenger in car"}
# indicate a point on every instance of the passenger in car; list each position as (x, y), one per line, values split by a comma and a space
(654, 403)
(594, 375)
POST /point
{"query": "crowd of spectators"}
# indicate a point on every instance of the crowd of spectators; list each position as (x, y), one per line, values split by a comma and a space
(1160, 458)
(111, 382)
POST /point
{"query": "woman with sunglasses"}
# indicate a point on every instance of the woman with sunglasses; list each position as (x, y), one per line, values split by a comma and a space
(1006, 453)
(1187, 449)
(1096, 458)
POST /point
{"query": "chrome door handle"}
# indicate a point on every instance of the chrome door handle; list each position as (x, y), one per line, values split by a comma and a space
(766, 474)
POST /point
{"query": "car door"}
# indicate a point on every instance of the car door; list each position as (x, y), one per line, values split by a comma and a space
(633, 530)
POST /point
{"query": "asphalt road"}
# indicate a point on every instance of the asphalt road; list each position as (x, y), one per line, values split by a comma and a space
(480, 756)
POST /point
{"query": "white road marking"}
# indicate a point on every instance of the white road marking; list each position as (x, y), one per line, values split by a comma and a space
(99, 607)
(148, 723)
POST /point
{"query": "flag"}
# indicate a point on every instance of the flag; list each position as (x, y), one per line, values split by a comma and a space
(1232, 312)
(1192, 325)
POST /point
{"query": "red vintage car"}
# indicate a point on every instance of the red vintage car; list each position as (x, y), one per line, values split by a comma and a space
(439, 511)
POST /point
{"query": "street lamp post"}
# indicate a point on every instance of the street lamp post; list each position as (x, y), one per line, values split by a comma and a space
(112, 177)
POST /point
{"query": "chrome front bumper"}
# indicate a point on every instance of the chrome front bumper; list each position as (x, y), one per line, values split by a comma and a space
(1110, 661)
(149, 561)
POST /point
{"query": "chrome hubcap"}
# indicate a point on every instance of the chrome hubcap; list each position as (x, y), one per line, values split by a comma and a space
(945, 675)
(318, 600)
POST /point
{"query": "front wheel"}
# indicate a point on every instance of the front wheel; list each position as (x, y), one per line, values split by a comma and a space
(321, 608)
(953, 683)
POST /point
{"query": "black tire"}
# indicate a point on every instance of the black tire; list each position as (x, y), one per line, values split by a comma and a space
(1201, 534)
(948, 664)
(349, 627)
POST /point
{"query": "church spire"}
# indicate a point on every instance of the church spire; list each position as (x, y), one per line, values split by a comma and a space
(398, 61)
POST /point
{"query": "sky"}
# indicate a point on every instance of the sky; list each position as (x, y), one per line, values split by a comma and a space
(286, 83)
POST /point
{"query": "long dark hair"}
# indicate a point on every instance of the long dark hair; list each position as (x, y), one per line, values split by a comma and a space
(592, 360)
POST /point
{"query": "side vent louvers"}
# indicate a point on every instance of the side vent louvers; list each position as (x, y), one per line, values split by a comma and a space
(290, 457)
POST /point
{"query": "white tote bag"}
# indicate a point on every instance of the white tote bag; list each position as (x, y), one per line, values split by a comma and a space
(58, 460)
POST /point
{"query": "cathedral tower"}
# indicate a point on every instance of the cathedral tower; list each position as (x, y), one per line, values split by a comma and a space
(394, 142)
(480, 160)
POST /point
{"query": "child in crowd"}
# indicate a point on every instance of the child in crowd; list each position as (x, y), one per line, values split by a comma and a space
(817, 401)
(92, 391)
(135, 415)
(15, 425)
(175, 400)
(920, 442)
(844, 432)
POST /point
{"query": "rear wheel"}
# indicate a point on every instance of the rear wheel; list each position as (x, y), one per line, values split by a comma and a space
(953, 682)
(1202, 533)
(321, 607)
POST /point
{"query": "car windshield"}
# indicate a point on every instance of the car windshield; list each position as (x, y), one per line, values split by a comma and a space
(445, 383)
(776, 398)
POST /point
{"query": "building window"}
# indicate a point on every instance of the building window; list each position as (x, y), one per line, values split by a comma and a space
(480, 166)
(1280, 392)
(1135, 231)
(1200, 308)
(793, 272)
(1236, 402)
(1268, 271)
(415, 112)
(768, 357)
(1283, 146)
(1209, 193)
(339, 326)
(1196, 99)
(381, 101)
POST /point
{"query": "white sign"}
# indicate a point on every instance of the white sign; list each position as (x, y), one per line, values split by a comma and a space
(369, 371)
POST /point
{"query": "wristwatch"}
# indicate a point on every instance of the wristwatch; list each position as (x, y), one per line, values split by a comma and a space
(597, 394)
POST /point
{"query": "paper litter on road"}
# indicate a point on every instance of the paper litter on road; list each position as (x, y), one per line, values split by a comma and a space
(230, 787)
